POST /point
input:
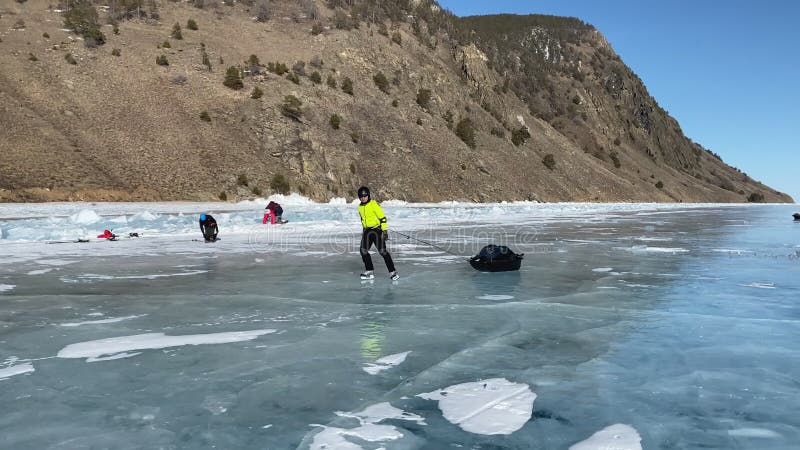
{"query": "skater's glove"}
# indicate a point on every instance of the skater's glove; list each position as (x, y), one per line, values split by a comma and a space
(385, 235)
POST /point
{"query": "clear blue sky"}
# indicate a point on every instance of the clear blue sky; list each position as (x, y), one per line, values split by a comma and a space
(727, 70)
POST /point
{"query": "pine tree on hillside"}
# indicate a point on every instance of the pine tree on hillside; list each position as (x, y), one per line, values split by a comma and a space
(292, 107)
(176, 31)
(233, 78)
(81, 17)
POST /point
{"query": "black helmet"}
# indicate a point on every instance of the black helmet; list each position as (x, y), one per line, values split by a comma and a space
(363, 191)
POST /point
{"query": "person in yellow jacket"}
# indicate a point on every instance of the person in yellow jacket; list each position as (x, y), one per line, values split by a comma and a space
(375, 232)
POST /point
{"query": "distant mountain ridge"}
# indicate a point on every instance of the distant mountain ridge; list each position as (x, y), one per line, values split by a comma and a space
(438, 107)
(568, 74)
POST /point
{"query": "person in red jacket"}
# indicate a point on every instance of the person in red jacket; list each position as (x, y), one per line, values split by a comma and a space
(107, 234)
(273, 213)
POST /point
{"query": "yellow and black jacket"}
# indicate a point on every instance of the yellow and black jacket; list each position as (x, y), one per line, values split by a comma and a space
(372, 215)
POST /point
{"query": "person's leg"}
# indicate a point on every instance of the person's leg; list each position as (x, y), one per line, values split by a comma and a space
(366, 243)
(266, 217)
(381, 245)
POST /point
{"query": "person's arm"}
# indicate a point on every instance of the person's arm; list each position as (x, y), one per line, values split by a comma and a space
(381, 217)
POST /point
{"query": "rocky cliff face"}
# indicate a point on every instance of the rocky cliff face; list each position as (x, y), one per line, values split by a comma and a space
(569, 76)
(438, 110)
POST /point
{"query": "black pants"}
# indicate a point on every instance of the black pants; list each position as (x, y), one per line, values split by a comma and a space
(210, 233)
(374, 236)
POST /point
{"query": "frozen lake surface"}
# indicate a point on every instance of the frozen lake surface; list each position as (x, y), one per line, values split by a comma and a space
(629, 326)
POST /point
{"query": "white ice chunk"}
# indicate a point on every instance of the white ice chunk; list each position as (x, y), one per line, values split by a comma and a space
(494, 406)
(603, 269)
(375, 433)
(393, 360)
(614, 437)
(19, 369)
(145, 215)
(7, 287)
(112, 346)
(387, 362)
(382, 411)
(333, 438)
(85, 217)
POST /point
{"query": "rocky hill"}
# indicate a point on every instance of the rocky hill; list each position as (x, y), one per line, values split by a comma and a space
(199, 100)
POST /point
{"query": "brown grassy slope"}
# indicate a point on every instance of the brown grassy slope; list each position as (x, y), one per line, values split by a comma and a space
(121, 128)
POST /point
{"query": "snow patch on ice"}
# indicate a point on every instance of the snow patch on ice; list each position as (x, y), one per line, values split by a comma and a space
(645, 248)
(93, 322)
(653, 239)
(122, 344)
(614, 437)
(7, 287)
(336, 438)
(368, 430)
(39, 271)
(495, 297)
(113, 357)
(56, 262)
(382, 411)
(760, 285)
(387, 362)
(494, 406)
(733, 251)
(635, 285)
(94, 276)
(603, 269)
(19, 369)
(762, 433)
